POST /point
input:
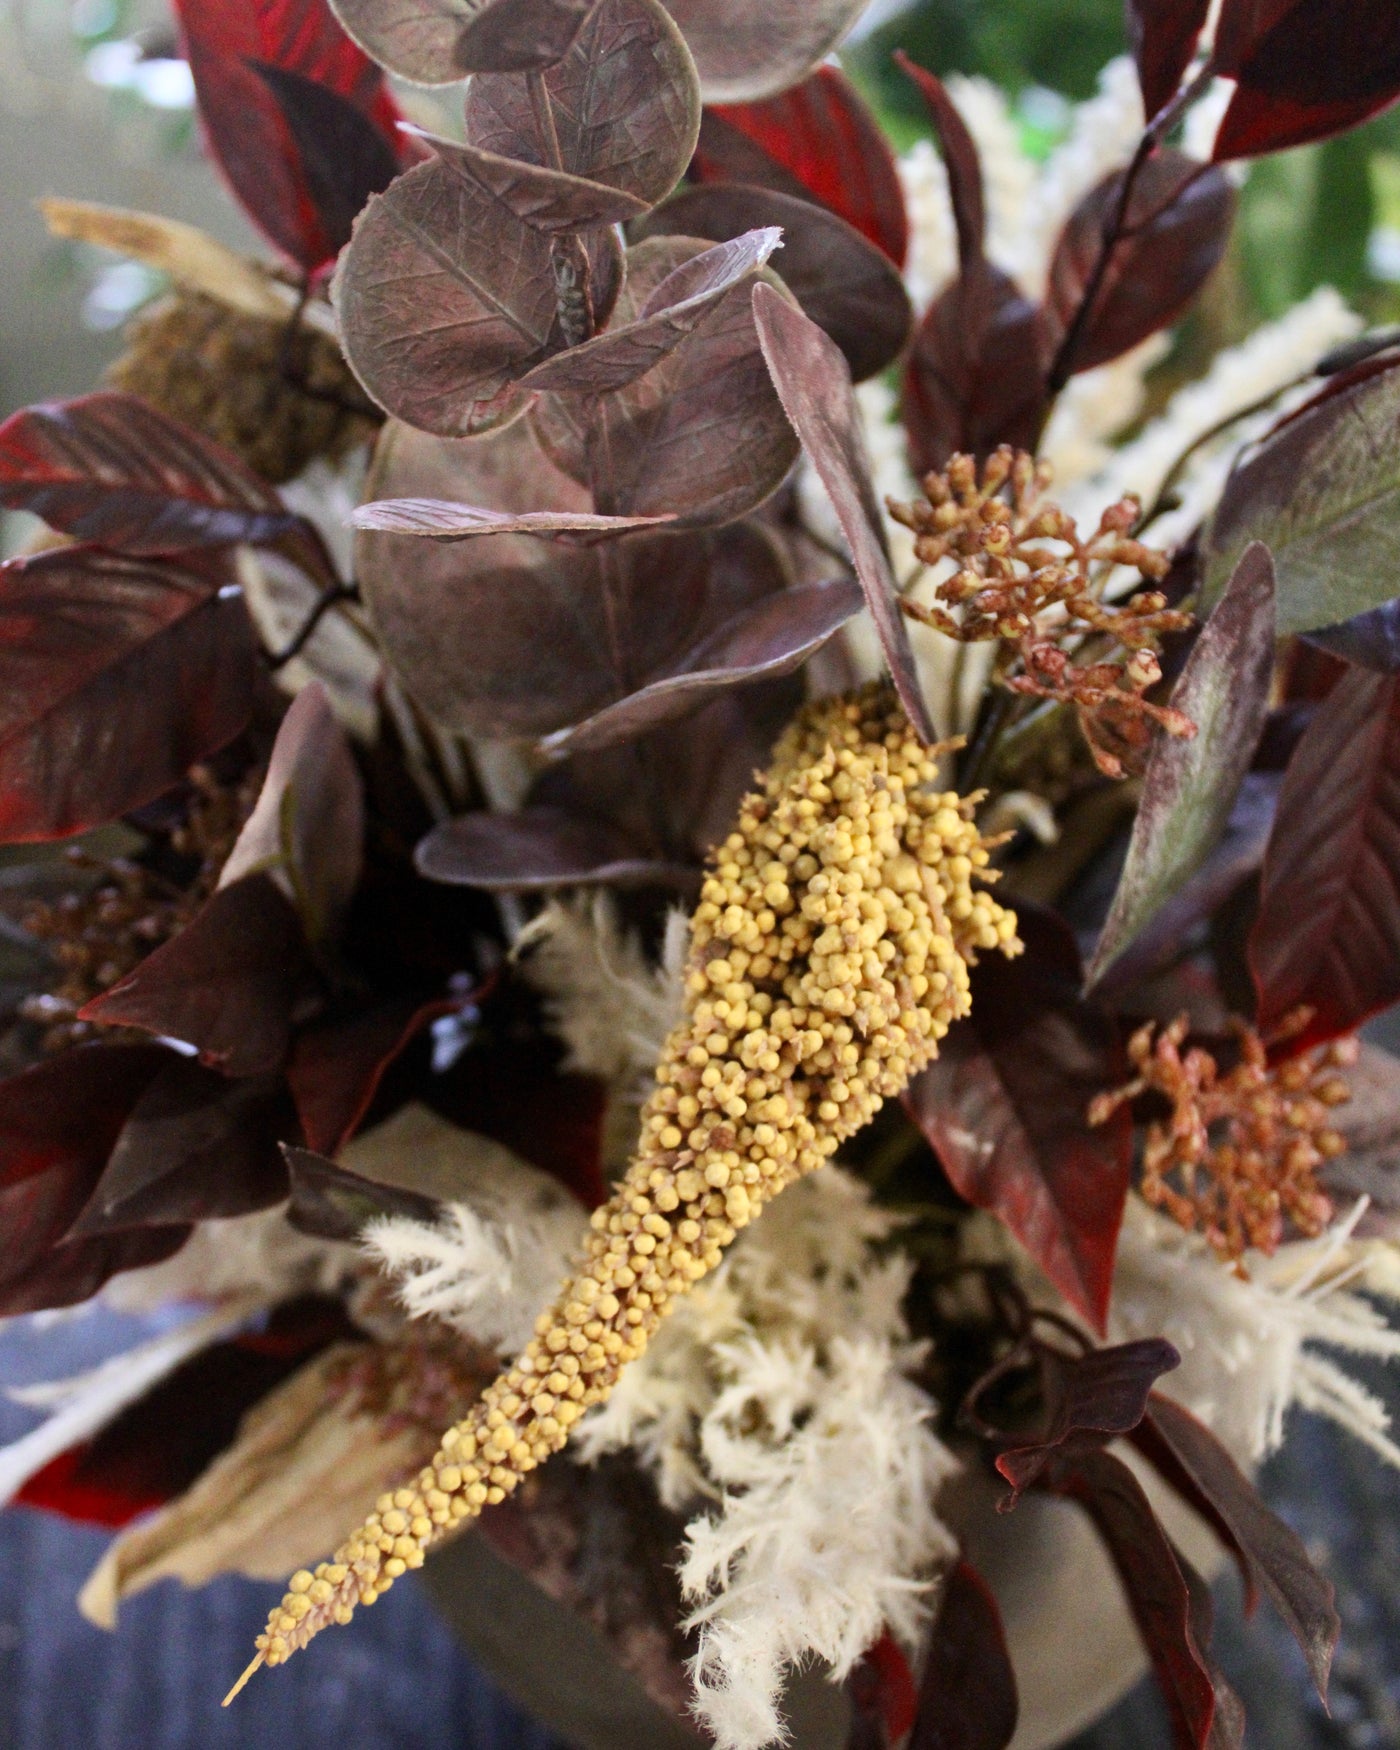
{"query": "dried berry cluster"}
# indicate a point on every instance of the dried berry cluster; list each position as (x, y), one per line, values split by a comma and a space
(1238, 1159)
(1027, 579)
(829, 956)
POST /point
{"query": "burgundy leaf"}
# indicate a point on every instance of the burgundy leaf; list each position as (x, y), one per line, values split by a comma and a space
(818, 141)
(333, 1203)
(1370, 640)
(196, 1147)
(74, 1271)
(702, 434)
(1227, 1725)
(1274, 1555)
(1005, 1107)
(1098, 1395)
(441, 520)
(226, 984)
(111, 469)
(1164, 34)
(1159, 1593)
(815, 386)
(1171, 240)
(256, 148)
(439, 42)
(959, 156)
(773, 637)
(884, 1701)
(968, 1699)
(672, 314)
(623, 108)
(745, 52)
(336, 1066)
(307, 828)
(120, 674)
(1190, 785)
(975, 376)
(844, 283)
(546, 199)
(536, 849)
(1328, 930)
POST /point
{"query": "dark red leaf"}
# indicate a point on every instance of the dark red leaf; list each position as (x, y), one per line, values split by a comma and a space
(1370, 640)
(1164, 34)
(536, 849)
(1159, 1594)
(1328, 930)
(1172, 238)
(440, 519)
(74, 1271)
(333, 1203)
(1098, 1395)
(818, 141)
(1274, 1554)
(111, 469)
(884, 1701)
(843, 282)
(335, 1067)
(744, 53)
(1227, 1725)
(441, 41)
(226, 984)
(975, 376)
(959, 156)
(119, 674)
(773, 637)
(967, 1700)
(1005, 1107)
(249, 134)
(814, 383)
(546, 199)
(195, 1147)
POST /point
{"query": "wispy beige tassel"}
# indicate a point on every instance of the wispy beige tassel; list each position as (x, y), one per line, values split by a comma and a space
(829, 955)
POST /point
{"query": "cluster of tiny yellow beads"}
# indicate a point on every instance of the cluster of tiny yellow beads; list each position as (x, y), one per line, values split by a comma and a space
(829, 955)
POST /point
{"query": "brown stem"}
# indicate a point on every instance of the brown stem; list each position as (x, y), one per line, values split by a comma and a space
(340, 592)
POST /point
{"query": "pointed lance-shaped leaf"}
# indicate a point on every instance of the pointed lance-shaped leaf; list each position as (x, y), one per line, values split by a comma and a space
(1171, 240)
(225, 985)
(111, 469)
(844, 283)
(1191, 783)
(438, 42)
(1322, 491)
(252, 140)
(623, 105)
(1370, 640)
(967, 1699)
(1164, 34)
(439, 519)
(960, 157)
(774, 636)
(334, 1203)
(815, 386)
(120, 673)
(1005, 1108)
(818, 141)
(744, 52)
(546, 199)
(1327, 935)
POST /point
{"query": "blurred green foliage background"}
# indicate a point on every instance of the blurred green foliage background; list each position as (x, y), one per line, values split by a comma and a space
(1327, 214)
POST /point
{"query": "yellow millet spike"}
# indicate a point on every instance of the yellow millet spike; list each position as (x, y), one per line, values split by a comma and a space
(829, 955)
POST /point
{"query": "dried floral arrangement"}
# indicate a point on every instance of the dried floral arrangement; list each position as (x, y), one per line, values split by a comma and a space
(693, 792)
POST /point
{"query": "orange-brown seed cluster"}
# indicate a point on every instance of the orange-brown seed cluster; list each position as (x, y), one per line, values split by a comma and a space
(829, 955)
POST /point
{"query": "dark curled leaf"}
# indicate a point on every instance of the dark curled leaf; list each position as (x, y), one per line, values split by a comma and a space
(673, 312)
(536, 849)
(196, 1147)
(818, 141)
(333, 1203)
(844, 283)
(815, 386)
(1164, 34)
(1172, 239)
(1273, 1553)
(623, 104)
(546, 199)
(975, 376)
(1093, 1397)
(1328, 931)
(959, 156)
(225, 984)
(967, 1700)
(1159, 1594)
(120, 674)
(1369, 640)
(1190, 785)
(773, 637)
(441, 520)
(74, 1271)
(1323, 493)
(745, 52)
(1005, 1107)
(111, 469)
(344, 157)
(438, 42)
